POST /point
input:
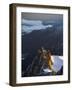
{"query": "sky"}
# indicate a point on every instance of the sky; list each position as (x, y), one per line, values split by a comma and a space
(38, 21)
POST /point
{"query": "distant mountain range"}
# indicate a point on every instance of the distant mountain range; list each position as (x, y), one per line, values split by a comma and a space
(49, 38)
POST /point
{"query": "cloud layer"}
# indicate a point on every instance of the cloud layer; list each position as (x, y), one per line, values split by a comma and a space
(30, 25)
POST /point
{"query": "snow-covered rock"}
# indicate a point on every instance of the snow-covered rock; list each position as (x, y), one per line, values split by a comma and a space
(57, 63)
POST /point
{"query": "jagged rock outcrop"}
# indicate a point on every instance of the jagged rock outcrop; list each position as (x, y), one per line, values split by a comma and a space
(36, 68)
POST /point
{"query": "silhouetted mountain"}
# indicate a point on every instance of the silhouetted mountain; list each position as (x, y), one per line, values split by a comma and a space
(50, 38)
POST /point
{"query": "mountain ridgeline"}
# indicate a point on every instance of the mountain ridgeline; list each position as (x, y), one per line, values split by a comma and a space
(50, 38)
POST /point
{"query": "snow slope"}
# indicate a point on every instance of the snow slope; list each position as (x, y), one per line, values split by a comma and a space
(58, 63)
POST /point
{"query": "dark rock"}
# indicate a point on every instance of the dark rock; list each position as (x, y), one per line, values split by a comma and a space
(60, 72)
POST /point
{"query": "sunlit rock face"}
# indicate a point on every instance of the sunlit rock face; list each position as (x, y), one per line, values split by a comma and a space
(40, 68)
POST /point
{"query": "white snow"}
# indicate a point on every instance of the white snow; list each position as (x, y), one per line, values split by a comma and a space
(57, 63)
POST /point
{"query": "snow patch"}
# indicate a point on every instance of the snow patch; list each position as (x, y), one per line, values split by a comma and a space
(58, 63)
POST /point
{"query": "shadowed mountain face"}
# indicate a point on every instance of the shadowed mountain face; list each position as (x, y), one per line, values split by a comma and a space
(50, 38)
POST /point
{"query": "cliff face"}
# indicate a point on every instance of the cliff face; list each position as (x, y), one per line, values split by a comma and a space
(38, 66)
